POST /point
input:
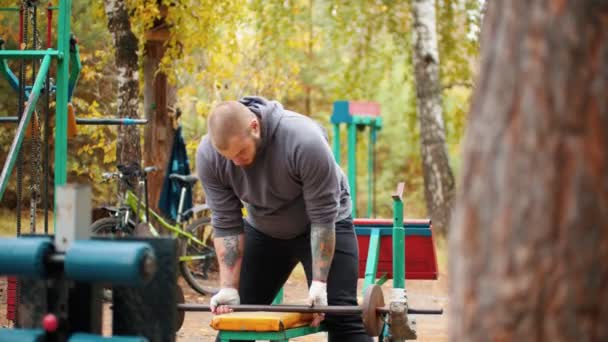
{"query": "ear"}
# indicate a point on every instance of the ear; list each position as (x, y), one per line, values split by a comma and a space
(255, 127)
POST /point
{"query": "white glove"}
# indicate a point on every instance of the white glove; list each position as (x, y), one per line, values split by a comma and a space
(317, 296)
(226, 296)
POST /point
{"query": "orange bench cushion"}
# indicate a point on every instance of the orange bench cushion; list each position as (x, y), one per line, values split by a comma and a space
(260, 321)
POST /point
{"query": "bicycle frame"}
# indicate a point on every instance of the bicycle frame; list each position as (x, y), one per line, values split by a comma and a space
(132, 201)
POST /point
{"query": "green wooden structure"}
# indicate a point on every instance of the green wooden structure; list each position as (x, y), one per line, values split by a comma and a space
(357, 116)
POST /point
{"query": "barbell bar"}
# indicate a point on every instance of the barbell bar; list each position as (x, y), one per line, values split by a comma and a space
(329, 309)
(371, 311)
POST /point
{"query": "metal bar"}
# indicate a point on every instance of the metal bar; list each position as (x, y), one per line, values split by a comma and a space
(336, 144)
(374, 137)
(29, 109)
(47, 149)
(21, 26)
(49, 26)
(398, 240)
(61, 97)
(117, 121)
(344, 310)
(371, 266)
(28, 54)
(86, 121)
(388, 231)
(352, 165)
(334, 310)
(370, 171)
(9, 9)
(9, 75)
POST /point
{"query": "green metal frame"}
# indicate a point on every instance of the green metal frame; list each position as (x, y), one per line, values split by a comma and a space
(284, 335)
(374, 124)
(62, 57)
(398, 232)
(398, 243)
(29, 109)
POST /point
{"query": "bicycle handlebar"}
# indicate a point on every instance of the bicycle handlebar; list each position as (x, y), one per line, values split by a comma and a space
(118, 174)
(149, 169)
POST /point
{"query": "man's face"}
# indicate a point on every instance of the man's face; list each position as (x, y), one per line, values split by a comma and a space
(242, 148)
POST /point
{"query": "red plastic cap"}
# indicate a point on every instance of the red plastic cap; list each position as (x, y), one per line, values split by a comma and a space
(50, 323)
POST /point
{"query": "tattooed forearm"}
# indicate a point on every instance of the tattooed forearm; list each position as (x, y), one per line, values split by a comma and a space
(232, 251)
(229, 251)
(323, 242)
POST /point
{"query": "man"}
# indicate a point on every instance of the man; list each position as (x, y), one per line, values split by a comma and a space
(279, 164)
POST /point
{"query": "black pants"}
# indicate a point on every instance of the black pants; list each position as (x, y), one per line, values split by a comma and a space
(268, 262)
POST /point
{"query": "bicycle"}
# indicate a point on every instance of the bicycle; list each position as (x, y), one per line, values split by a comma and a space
(131, 217)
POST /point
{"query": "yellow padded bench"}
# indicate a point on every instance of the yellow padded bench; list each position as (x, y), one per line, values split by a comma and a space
(261, 325)
(260, 321)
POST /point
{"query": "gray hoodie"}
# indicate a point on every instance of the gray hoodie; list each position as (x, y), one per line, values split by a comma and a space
(293, 182)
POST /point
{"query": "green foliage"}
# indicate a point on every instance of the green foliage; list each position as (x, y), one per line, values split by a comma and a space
(304, 53)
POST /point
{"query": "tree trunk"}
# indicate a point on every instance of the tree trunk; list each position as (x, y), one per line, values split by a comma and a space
(438, 177)
(159, 96)
(128, 149)
(529, 240)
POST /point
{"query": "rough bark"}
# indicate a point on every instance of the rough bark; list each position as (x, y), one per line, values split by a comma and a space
(529, 239)
(128, 149)
(159, 97)
(438, 177)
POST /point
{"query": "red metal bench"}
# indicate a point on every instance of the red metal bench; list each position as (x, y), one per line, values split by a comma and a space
(420, 255)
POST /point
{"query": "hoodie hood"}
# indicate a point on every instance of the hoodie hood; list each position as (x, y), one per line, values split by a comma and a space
(270, 114)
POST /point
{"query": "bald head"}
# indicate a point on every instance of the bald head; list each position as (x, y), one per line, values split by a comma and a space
(229, 119)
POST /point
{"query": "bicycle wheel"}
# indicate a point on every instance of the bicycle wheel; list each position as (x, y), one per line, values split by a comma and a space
(197, 259)
(109, 227)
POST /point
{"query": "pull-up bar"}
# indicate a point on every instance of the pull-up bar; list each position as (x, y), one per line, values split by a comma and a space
(90, 121)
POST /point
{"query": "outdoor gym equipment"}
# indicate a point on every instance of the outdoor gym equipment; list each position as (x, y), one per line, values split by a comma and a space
(357, 116)
(372, 310)
(35, 124)
(61, 279)
(391, 322)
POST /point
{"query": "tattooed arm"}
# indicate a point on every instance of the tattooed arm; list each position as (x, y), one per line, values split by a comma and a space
(323, 241)
(229, 251)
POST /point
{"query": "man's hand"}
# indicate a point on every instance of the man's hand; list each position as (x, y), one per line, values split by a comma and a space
(317, 296)
(226, 296)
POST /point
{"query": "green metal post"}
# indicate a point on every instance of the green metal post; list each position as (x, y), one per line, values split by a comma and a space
(373, 253)
(278, 299)
(61, 106)
(336, 144)
(8, 74)
(352, 165)
(398, 240)
(370, 170)
(29, 109)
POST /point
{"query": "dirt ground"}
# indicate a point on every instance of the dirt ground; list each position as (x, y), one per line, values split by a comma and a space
(421, 294)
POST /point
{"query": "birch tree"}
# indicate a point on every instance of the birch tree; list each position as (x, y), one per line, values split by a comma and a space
(128, 149)
(438, 177)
